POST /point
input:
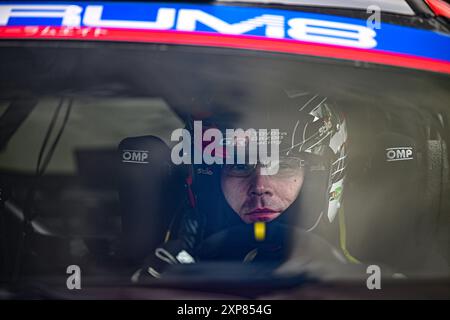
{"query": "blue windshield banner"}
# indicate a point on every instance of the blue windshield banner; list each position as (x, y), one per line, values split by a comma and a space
(75, 19)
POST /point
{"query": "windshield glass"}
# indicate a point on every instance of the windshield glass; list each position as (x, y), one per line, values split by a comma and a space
(119, 156)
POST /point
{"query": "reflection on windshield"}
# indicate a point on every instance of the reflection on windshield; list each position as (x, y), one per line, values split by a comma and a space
(179, 159)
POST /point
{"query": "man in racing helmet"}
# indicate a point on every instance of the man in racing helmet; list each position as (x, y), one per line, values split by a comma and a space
(305, 190)
(312, 139)
(255, 196)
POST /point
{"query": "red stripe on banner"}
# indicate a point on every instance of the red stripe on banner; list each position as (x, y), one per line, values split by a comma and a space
(439, 7)
(226, 41)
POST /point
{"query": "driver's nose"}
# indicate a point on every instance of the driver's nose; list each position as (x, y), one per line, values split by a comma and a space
(260, 185)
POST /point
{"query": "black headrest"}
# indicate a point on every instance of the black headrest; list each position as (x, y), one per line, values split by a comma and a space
(395, 196)
(150, 192)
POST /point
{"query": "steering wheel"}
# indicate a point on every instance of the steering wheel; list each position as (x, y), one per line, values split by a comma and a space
(238, 243)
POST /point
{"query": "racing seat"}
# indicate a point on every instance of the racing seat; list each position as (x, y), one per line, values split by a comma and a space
(150, 192)
(396, 191)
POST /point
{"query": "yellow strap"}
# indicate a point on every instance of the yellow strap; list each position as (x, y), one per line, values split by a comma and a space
(167, 237)
(343, 237)
(259, 229)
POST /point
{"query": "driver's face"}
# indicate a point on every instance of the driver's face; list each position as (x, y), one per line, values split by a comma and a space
(255, 197)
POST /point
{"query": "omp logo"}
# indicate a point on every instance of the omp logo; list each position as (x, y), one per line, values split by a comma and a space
(399, 153)
(189, 19)
(135, 156)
